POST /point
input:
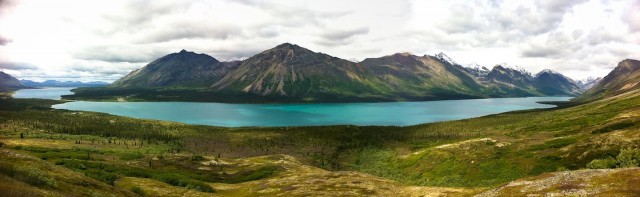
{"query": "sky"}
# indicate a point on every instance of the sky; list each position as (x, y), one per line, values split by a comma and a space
(106, 39)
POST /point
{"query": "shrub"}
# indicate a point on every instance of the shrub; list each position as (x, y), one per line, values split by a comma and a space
(602, 163)
(614, 127)
(28, 174)
(197, 158)
(137, 190)
(131, 156)
(177, 180)
(629, 158)
(557, 143)
(105, 177)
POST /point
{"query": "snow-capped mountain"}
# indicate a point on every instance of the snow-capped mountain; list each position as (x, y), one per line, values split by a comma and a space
(588, 83)
(477, 70)
(517, 68)
(547, 71)
(445, 58)
(233, 59)
(550, 82)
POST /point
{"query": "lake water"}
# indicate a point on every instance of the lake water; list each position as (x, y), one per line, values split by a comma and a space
(44, 93)
(236, 115)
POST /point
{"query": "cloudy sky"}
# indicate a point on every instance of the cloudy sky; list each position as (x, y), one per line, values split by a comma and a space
(104, 40)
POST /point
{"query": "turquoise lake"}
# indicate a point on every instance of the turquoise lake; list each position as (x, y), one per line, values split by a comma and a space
(238, 115)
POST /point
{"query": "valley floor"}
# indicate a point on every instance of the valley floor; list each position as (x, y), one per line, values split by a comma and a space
(46, 152)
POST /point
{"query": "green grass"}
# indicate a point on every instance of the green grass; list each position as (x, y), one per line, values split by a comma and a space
(556, 143)
(525, 143)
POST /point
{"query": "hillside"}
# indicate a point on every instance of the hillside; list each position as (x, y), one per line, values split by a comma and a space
(623, 78)
(9, 83)
(549, 82)
(177, 69)
(599, 182)
(407, 74)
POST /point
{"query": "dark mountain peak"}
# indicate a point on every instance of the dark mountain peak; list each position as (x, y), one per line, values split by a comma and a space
(398, 56)
(511, 69)
(8, 82)
(548, 72)
(187, 56)
(550, 82)
(398, 59)
(288, 52)
(501, 67)
(628, 65)
(175, 69)
(403, 54)
(445, 58)
(185, 52)
(289, 46)
(286, 44)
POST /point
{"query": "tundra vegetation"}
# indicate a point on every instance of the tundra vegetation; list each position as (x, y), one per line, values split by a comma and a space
(47, 151)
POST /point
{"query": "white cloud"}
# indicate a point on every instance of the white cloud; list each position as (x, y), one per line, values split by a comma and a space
(106, 39)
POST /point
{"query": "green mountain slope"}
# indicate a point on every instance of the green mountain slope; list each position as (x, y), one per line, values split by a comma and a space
(177, 69)
(622, 79)
(549, 82)
(293, 71)
(421, 76)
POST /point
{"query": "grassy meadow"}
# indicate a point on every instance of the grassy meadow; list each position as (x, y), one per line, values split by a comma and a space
(48, 152)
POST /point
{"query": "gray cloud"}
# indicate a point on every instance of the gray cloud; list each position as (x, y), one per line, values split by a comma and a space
(556, 45)
(463, 20)
(345, 34)
(115, 37)
(542, 51)
(188, 31)
(4, 41)
(632, 17)
(120, 53)
(341, 37)
(16, 65)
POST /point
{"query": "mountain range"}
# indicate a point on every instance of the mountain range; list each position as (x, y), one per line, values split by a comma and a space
(56, 83)
(588, 83)
(301, 75)
(10, 83)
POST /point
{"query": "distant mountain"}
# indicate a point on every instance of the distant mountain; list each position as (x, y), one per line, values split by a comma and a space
(185, 68)
(422, 76)
(55, 83)
(588, 83)
(293, 73)
(549, 82)
(503, 75)
(9, 83)
(478, 71)
(624, 78)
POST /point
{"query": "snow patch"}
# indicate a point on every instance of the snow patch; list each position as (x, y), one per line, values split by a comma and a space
(233, 59)
(548, 71)
(520, 69)
(445, 58)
